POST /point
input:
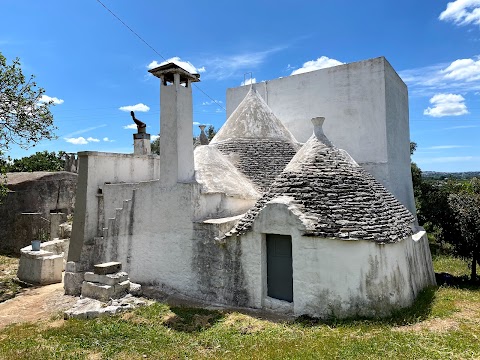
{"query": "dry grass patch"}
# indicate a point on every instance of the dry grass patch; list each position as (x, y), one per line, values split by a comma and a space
(245, 324)
(433, 325)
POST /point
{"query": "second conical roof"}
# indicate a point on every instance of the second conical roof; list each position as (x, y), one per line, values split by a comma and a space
(253, 119)
(335, 196)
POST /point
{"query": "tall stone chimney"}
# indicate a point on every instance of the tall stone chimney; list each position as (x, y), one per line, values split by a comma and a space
(176, 121)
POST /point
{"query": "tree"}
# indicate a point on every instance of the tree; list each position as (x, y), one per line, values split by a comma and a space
(24, 118)
(155, 145)
(466, 209)
(211, 132)
(416, 172)
(40, 161)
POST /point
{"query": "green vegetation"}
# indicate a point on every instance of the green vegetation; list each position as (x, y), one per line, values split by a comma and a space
(25, 116)
(450, 212)
(8, 273)
(444, 323)
(155, 144)
(40, 161)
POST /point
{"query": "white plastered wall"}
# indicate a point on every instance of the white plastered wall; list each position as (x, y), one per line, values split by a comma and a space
(95, 169)
(366, 109)
(333, 277)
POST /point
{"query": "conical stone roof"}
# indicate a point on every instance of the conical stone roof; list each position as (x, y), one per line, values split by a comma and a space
(336, 197)
(256, 141)
(253, 119)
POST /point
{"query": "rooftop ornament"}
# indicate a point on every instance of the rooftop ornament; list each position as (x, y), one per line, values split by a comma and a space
(141, 126)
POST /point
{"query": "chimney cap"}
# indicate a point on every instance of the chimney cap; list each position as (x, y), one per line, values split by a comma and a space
(318, 130)
(166, 71)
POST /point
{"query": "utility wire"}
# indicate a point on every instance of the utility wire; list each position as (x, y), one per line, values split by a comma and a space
(215, 101)
(155, 51)
(133, 31)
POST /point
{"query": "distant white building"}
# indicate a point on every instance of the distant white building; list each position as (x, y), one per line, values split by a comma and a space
(256, 218)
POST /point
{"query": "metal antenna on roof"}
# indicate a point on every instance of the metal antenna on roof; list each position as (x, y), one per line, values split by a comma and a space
(245, 78)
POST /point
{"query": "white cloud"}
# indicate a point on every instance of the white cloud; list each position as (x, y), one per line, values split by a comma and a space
(461, 75)
(446, 105)
(196, 123)
(186, 65)
(81, 140)
(130, 126)
(77, 141)
(249, 82)
(205, 103)
(139, 107)
(445, 147)
(78, 132)
(321, 63)
(227, 66)
(445, 159)
(462, 12)
(461, 127)
(463, 69)
(154, 137)
(46, 99)
(106, 139)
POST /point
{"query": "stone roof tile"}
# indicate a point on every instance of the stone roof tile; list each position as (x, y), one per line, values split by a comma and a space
(256, 142)
(344, 200)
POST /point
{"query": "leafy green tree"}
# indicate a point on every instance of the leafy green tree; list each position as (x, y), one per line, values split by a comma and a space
(466, 209)
(416, 172)
(24, 118)
(434, 211)
(211, 132)
(155, 145)
(40, 161)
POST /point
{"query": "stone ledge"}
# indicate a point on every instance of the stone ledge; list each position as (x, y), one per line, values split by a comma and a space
(107, 268)
(72, 283)
(91, 308)
(104, 292)
(108, 279)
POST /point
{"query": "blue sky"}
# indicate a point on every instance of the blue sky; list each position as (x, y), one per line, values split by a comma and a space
(93, 66)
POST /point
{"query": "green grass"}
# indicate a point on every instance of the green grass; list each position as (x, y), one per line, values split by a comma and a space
(444, 323)
(451, 265)
(8, 273)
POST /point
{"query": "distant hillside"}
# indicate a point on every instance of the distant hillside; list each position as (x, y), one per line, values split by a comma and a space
(454, 175)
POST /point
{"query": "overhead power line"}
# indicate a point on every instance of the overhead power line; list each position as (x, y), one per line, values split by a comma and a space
(153, 49)
(131, 30)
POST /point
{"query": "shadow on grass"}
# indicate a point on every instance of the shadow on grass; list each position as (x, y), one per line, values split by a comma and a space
(459, 282)
(190, 320)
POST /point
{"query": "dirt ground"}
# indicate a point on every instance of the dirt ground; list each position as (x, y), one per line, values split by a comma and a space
(35, 304)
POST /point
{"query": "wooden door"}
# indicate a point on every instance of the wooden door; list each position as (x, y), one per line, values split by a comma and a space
(279, 267)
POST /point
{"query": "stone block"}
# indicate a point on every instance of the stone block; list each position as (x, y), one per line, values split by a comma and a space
(40, 267)
(90, 308)
(72, 283)
(109, 279)
(107, 268)
(72, 266)
(135, 289)
(104, 292)
(122, 289)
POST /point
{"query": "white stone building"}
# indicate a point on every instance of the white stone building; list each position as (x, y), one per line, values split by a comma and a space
(255, 218)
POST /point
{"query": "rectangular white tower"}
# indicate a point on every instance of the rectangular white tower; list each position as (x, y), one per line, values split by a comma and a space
(176, 121)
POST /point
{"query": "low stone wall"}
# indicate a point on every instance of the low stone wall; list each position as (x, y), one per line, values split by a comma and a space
(25, 212)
